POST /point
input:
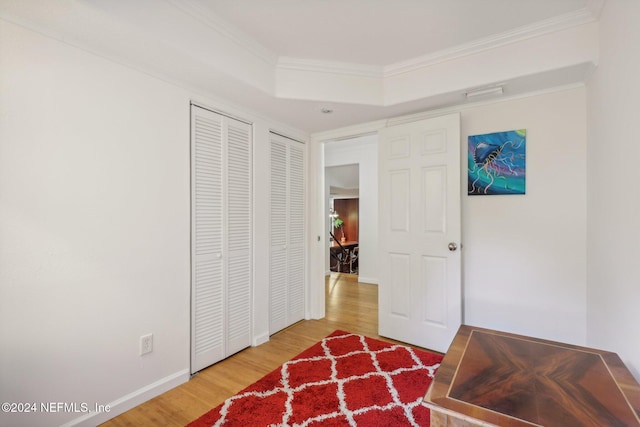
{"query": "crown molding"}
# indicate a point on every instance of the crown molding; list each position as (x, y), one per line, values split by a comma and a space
(558, 23)
(363, 78)
(195, 10)
(588, 14)
(299, 64)
(198, 11)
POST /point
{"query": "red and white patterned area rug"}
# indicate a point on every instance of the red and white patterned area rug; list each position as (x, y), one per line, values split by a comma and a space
(344, 380)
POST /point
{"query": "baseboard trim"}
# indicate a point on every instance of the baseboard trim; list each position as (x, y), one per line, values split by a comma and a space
(131, 400)
(260, 339)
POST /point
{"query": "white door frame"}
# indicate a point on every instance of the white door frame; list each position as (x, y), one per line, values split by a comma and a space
(318, 241)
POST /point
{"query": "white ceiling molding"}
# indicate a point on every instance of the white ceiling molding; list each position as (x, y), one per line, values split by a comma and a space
(557, 23)
(203, 14)
(184, 43)
(196, 10)
(548, 51)
(299, 64)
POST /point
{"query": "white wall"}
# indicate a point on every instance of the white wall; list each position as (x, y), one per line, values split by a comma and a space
(524, 257)
(94, 179)
(94, 228)
(364, 152)
(614, 204)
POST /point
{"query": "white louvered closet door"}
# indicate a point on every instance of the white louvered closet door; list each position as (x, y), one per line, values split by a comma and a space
(295, 245)
(239, 262)
(221, 264)
(287, 254)
(207, 339)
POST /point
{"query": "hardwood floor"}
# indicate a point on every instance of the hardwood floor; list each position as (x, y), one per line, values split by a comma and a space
(350, 306)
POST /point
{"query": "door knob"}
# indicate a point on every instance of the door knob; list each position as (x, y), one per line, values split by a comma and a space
(453, 246)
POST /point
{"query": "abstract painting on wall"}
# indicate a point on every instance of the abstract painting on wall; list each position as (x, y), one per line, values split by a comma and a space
(497, 163)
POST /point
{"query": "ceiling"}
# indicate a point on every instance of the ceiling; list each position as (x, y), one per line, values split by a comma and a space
(343, 180)
(289, 59)
(379, 32)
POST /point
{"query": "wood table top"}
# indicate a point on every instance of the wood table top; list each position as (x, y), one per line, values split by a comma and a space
(514, 380)
(347, 243)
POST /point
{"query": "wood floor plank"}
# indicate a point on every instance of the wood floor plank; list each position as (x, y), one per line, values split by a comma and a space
(350, 306)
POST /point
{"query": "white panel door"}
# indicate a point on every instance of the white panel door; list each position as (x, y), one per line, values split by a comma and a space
(286, 263)
(221, 227)
(420, 298)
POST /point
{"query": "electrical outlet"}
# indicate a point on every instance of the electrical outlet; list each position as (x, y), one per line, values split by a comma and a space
(146, 344)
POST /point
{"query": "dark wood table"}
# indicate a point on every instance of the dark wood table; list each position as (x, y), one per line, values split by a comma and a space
(492, 378)
(347, 244)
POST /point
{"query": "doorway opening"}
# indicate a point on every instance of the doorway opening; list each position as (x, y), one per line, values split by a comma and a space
(343, 184)
(351, 190)
(350, 195)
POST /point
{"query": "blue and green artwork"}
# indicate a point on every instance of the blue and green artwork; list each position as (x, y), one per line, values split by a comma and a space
(497, 163)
